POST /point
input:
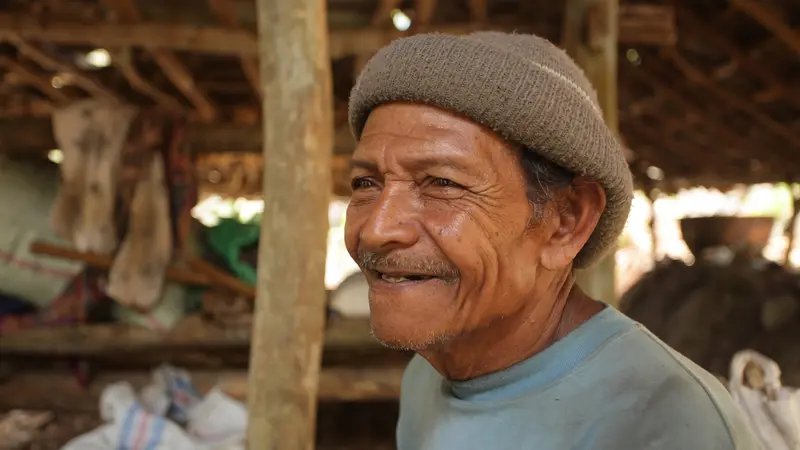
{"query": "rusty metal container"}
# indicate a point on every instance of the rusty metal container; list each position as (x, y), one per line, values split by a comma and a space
(749, 234)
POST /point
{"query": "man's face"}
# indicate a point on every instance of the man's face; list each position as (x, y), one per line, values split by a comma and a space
(439, 221)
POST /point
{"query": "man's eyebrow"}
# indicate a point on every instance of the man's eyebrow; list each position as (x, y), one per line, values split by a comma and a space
(417, 163)
(361, 164)
(439, 161)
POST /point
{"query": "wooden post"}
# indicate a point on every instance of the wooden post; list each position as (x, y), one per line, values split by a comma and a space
(591, 29)
(290, 304)
(789, 231)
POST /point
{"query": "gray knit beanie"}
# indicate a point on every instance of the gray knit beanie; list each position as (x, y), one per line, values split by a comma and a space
(521, 86)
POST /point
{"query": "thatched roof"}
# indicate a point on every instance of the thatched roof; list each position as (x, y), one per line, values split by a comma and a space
(709, 91)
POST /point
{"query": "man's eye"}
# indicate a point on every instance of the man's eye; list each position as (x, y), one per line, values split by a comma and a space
(444, 182)
(361, 183)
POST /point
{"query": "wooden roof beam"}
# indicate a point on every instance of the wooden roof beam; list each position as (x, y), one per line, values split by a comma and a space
(170, 64)
(180, 76)
(124, 62)
(34, 134)
(226, 15)
(479, 10)
(771, 21)
(739, 60)
(738, 141)
(659, 138)
(383, 12)
(647, 24)
(697, 76)
(727, 135)
(425, 9)
(31, 135)
(638, 24)
(40, 57)
(21, 106)
(40, 82)
(640, 107)
(126, 11)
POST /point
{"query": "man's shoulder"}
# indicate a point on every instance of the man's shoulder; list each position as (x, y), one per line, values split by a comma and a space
(674, 399)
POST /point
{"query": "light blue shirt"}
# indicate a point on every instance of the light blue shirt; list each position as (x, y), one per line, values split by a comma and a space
(608, 385)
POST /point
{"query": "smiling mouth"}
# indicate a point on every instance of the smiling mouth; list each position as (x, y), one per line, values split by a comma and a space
(402, 278)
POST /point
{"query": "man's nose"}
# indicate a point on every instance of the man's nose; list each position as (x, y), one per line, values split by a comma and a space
(392, 223)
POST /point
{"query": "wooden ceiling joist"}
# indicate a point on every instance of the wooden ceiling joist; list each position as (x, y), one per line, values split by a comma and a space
(28, 76)
(639, 24)
(734, 101)
(771, 21)
(180, 76)
(124, 62)
(34, 135)
(128, 13)
(83, 81)
(644, 24)
(382, 14)
(479, 10)
(774, 89)
(675, 155)
(425, 10)
(226, 15)
(731, 139)
(29, 134)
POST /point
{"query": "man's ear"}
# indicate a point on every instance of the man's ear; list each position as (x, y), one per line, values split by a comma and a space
(574, 219)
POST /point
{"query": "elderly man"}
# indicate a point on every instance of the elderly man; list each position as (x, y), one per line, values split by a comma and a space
(484, 176)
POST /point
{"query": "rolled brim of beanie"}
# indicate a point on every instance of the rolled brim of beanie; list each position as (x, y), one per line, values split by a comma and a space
(525, 97)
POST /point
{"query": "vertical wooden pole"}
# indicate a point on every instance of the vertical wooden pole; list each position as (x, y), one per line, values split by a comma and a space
(298, 133)
(590, 36)
(789, 231)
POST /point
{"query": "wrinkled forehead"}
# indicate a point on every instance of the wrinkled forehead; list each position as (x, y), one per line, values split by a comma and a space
(409, 132)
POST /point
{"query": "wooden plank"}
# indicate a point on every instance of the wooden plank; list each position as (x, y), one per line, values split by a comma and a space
(655, 27)
(596, 52)
(27, 134)
(54, 391)
(191, 332)
(286, 347)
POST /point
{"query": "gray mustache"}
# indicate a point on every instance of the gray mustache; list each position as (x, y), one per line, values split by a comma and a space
(434, 267)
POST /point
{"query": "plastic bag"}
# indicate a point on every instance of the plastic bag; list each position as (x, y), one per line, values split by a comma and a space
(129, 425)
(153, 419)
(772, 409)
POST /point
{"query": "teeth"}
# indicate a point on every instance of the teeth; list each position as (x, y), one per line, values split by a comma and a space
(391, 279)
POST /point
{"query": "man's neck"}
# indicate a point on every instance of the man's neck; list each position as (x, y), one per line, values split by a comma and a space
(517, 338)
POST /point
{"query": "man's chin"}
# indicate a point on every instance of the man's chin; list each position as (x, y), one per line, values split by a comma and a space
(413, 317)
(408, 339)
